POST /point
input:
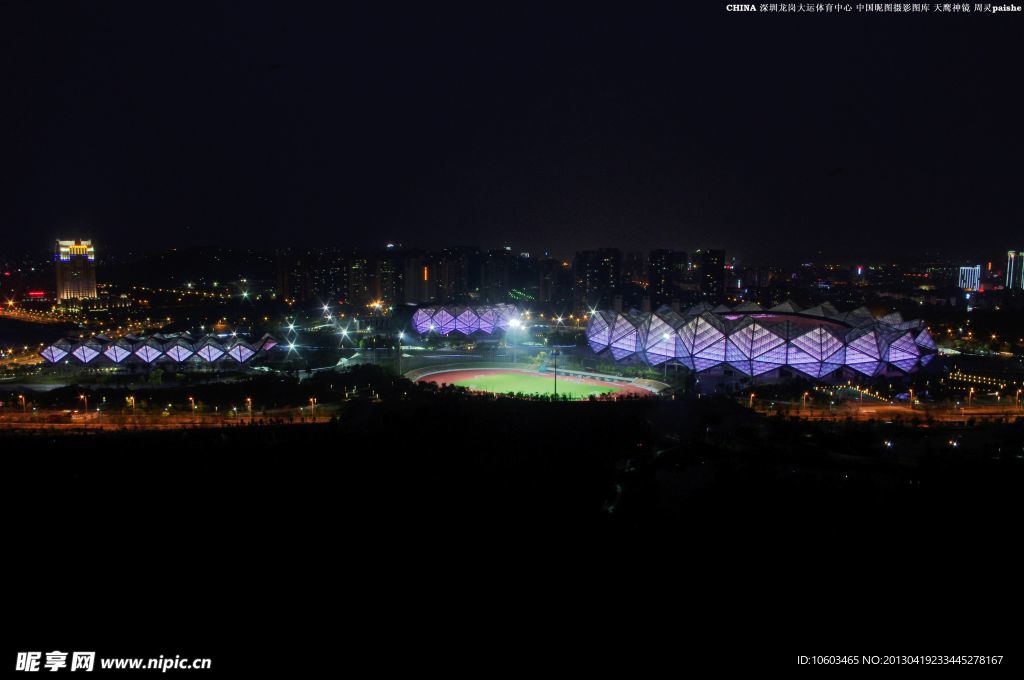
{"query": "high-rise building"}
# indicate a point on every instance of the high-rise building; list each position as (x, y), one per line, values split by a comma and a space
(496, 275)
(75, 265)
(712, 275)
(357, 280)
(598, 275)
(970, 277)
(388, 285)
(1015, 269)
(666, 270)
(554, 282)
(416, 278)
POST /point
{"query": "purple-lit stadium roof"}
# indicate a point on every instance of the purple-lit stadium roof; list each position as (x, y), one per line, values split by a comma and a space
(816, 342)
(445, 320)
(178, 348)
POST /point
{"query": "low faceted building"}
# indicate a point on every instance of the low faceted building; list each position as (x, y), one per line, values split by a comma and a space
(179, 349)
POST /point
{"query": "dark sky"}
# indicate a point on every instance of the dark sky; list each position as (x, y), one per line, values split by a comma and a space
(167, 124)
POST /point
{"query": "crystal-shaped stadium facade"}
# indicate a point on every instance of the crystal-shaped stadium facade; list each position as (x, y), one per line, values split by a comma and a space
(87, 351)
(240, 350)
(816, 342)
(446, 320)
(209, 350)
(118, 351)
(177, 348)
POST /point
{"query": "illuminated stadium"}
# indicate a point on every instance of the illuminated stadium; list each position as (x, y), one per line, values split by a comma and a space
(815, 342)
(179, 349)
(486, 319)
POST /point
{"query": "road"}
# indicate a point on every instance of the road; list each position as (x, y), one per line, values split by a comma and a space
(941, 413)
(58, 420)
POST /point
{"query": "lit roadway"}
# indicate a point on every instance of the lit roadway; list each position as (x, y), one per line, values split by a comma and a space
(940, 413)
(63, 420)
(12, 312)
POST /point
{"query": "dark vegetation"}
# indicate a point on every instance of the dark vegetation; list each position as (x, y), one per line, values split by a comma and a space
(434, 500)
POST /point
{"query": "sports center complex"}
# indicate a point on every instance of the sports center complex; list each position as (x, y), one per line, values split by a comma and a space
(731, 343)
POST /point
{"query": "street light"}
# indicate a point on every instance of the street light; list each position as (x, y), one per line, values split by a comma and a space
(248, 406)
(401, 335)
(554, 357)
(514, 325)
(312, 407)
(192, 402)
(86, 400)
(24, 406)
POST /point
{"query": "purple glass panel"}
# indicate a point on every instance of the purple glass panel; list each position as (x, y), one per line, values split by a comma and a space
(599, 331)
(802, 361)
(467, 322)
(660, 341)
(488, 318)
(701, 343)
(902, 349)
(444, 322)
(866, 344)
(924, 339)
(624, 338)
(905, 365)
(421, 321)
(210, 353)
(240, 353)
(708, 344)
(771, 359)
(737, 349)
(84, 353)
(179, 353)
(148, 354)
(116, 353)
(53, 354)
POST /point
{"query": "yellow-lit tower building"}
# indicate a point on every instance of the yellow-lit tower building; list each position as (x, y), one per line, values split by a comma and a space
(75, 264)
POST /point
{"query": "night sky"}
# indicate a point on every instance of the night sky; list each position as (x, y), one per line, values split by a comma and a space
(149, 125)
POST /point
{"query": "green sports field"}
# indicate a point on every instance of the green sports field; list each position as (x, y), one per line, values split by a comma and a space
(505, 382)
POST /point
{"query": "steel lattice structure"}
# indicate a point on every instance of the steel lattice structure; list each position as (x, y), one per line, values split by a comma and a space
(754, 341)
